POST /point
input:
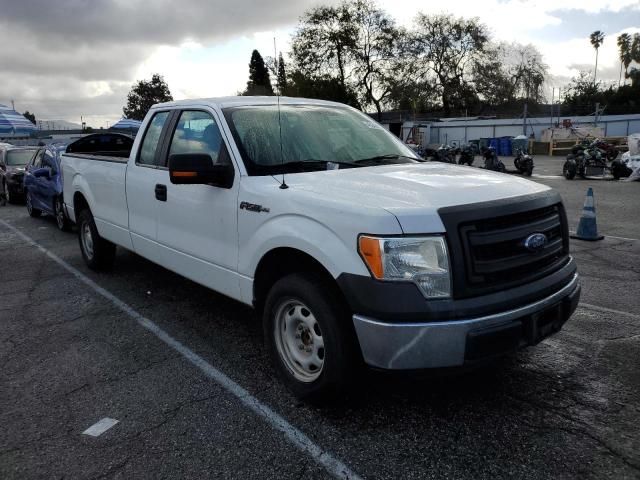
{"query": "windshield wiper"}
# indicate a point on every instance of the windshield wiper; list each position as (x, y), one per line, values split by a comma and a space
(312, 162)
(388, 156)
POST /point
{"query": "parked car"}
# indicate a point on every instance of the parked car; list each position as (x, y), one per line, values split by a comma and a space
(43, 185)
(350, 249)
(13, 161)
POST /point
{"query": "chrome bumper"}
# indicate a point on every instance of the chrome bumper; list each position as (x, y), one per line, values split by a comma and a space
(403, 346)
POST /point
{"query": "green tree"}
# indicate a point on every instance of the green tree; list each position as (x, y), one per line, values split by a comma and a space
(624, 50)
(144, 95)
(354, 43)
(323, 87)
(281, 76)
(323, 43)
(446, 49)
(259, 81)
(596, 39)
(30, 116)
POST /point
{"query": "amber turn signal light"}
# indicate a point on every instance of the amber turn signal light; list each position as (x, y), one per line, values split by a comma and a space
(369, 248)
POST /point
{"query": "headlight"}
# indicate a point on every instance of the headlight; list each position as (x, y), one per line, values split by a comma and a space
(422, 260)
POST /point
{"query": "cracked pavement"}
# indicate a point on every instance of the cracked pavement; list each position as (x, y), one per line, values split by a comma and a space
(568, 408)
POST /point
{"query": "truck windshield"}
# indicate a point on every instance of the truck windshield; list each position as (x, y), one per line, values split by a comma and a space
(313, 137)
(18, 158)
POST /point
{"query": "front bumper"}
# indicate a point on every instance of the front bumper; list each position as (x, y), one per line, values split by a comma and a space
(404, 346)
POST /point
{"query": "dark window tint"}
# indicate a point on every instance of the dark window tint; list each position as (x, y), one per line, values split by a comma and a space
(197, 132)
(106, 144)
(151, 139)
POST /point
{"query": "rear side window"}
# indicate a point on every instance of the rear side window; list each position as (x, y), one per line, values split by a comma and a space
(197, 132)
(151, 139)
(19, 157)
(37, 161)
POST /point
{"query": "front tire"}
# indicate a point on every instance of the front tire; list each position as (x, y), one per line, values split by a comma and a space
(33, 212)
(310, 337)
(97, 252)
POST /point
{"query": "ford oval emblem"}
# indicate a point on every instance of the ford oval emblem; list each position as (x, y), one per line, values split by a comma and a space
(535, 242)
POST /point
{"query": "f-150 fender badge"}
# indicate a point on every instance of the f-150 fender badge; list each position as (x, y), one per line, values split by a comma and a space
(252, 207)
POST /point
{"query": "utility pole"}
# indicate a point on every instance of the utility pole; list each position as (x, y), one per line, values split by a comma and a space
(553, 92)
(13, 105)
(524, 120)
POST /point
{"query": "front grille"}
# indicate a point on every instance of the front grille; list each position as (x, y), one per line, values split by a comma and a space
(491, 255)
(495, 250)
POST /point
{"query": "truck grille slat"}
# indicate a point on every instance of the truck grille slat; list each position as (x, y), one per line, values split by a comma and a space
(494, 256)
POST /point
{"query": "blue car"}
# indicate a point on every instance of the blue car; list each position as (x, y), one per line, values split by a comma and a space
(43, 185)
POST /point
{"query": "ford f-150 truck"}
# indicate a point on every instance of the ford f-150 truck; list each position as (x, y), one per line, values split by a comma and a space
(352, 250)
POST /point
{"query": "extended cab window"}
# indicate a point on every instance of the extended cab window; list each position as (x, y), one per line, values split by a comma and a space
(151, 138)
(197, 132)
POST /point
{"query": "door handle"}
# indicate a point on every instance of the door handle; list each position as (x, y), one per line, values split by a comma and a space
(161, 192)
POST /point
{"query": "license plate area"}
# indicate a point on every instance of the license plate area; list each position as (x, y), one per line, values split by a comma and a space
(542, 324)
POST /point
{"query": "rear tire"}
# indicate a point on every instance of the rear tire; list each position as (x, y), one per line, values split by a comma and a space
(569, 170)
(97, 252)
(310, 337)
(62, 221)
(33, 212)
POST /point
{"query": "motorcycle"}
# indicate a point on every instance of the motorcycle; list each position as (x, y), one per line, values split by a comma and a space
(587, 160)
(467, 155)
(523, 162)
(445, 154)
(608, 150)
(491, 160)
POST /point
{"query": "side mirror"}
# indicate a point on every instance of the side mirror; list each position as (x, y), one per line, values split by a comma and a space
(41, 172)
(199, 169)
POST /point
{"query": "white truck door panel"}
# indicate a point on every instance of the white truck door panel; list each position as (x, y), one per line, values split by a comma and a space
(143, 174)
(197, 225)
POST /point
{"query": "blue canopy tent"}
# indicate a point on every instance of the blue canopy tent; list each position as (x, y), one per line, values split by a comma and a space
(14, 124)
(126, 124)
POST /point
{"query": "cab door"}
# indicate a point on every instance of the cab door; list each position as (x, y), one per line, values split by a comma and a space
(143, 175)
(197, 224)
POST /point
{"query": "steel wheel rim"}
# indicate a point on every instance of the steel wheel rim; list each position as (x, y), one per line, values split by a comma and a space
(59, 214)
(87, 240)
(7, 195)
(299, 340)
(29, 206)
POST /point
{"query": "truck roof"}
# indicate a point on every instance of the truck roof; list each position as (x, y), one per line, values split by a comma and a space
(240, 101)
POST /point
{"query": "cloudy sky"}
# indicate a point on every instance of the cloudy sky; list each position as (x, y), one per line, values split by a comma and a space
(66, 58)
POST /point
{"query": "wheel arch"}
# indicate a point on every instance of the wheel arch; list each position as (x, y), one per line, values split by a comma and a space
(282, 261)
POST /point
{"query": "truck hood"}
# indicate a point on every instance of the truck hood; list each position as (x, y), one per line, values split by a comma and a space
(414, 192)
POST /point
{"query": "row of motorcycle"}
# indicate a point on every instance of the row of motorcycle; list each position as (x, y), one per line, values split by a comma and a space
(466, 154)
(591, 158)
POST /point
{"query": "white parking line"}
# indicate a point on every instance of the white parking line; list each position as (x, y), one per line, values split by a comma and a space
(295, 436)
(613, 236)
(609, 310)
(100, 427)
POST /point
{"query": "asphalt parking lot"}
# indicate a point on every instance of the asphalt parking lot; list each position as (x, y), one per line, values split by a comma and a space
(70, 356)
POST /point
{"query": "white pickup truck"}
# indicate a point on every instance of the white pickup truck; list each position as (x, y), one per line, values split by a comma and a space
(351, 249)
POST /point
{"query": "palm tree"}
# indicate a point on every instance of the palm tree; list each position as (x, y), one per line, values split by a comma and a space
(597, 38)
(624, 48)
